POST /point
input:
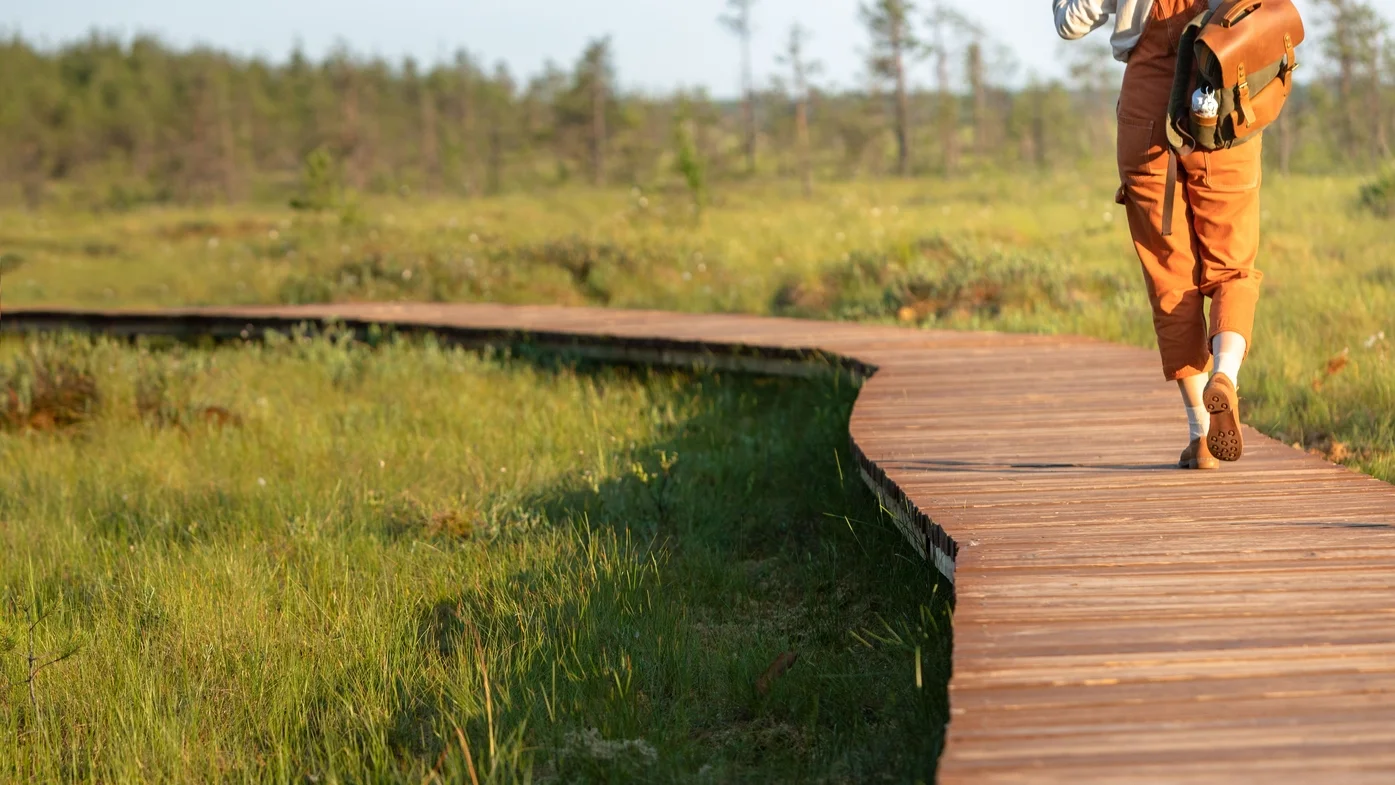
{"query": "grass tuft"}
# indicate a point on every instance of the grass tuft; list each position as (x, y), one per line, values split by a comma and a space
(50, 386)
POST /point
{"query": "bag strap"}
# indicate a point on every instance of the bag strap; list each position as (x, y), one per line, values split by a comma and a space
(1179, 105)
(1169, 201)
(1244, 113)
(1290, 61)
(1179, 138)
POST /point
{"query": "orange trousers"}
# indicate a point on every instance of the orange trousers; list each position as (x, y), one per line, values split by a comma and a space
(1215, 234)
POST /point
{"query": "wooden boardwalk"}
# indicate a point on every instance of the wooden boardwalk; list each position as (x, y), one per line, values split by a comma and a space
(1117, 621)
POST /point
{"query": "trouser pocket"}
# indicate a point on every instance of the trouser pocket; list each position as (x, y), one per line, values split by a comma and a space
(1137, 155)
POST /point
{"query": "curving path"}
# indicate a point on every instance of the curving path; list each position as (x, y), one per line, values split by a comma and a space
(1116, 621)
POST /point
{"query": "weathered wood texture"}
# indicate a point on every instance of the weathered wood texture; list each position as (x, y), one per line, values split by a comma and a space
(1117, 621)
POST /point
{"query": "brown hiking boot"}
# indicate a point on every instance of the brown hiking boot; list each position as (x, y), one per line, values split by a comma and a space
(1224, 440)
(1198, 456)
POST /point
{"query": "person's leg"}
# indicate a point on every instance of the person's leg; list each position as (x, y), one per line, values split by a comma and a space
(1223, 190)
(1228, 348)
(1170, 264)
(1170, 273)
(1198, 420)
(1198, 453)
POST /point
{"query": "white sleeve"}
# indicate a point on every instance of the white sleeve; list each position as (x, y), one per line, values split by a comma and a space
(1078, 18)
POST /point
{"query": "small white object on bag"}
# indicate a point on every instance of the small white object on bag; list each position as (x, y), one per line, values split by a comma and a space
(1204, 103)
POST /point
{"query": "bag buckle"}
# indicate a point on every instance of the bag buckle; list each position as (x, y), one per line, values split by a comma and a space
(1290, 58)
(1242, 90)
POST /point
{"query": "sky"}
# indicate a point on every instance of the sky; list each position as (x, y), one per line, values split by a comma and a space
(658, 45)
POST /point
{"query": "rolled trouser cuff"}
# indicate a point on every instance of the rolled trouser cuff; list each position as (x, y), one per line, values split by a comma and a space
(1233, 311)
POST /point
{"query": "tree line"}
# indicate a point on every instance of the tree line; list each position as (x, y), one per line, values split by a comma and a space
(123, 122)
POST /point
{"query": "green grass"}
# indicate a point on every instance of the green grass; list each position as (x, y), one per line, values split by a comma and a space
(433, 522)
(1044, 253)
(585, 570)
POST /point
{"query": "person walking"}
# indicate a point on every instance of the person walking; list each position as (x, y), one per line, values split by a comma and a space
(1208, 251)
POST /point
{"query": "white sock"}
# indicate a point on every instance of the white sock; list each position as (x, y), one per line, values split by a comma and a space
(1198, 421)
(1229, 351)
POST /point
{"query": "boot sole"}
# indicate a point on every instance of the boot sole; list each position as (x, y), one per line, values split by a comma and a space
(1224, 440)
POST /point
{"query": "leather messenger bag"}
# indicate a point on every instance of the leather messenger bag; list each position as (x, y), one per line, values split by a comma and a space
(1243, 52)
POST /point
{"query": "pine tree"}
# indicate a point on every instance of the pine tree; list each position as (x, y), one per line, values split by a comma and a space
(1352, 43)
(893, 43)
(500, 101)
(468, 87)
(947, 27)
(595, 76)
(1091, 70)
(801, 69)
(738, 21)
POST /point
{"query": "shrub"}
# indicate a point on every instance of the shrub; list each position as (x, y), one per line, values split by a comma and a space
(50, 386)
(9, 262)
(163, 397)
(589, 267)
(1378, 196)
(933, 280)
(320, 187)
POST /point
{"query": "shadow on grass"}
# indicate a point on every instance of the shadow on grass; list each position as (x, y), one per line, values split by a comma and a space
(741, 535)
